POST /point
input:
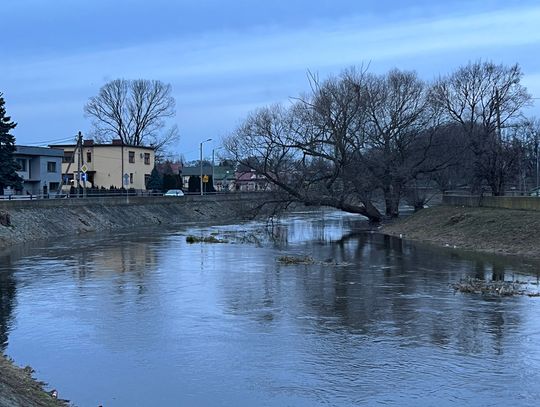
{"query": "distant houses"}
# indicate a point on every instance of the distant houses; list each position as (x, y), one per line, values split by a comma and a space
(107, 165)
(48, 171)
(218, 178)
(40, 169)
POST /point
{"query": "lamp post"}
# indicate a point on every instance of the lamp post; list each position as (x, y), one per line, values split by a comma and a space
(200, 149)
(537, 168)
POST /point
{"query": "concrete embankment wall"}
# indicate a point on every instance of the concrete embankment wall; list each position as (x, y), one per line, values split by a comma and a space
(22, 221)
(506, 202)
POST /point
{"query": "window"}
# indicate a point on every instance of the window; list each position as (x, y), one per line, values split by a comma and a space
(146, 179)
(131, 178)
(132, 157)
(22, 164)
(68, 157)
(88, 157)
(53, 186)
(51, 166)
(147, 158)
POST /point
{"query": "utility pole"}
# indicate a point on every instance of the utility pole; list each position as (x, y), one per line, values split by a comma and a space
(201, 163)
(79, 162)
(213, 189)
(536, 130)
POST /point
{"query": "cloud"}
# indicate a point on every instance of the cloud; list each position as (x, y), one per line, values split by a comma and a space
(260, 65)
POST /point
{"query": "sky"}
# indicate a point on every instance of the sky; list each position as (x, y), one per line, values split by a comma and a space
(225, 58)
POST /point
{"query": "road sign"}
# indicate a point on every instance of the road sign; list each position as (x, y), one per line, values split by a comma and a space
(84, 168)
(126, 179)
(205, 178)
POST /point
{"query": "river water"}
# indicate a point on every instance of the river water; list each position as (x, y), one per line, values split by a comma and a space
(146, 319)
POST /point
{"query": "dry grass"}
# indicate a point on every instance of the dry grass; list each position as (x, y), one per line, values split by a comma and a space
(19, 389)
(503, 231)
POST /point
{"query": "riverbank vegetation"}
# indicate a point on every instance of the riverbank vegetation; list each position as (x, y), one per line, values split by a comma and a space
(359, 138)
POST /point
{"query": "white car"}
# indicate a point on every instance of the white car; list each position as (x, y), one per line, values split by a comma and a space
(174, 192)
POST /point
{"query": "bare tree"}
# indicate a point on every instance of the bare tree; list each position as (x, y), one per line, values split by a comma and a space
(134, 111)
(399, 133)
(312, 149)
(485, 98)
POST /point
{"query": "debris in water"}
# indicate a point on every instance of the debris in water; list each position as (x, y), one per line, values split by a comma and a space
(206, 239)
(296, 260)
(500, 288)
(290, 260)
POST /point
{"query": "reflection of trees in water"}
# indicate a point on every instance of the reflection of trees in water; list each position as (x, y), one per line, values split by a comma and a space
(392, 289)
(8, 290)
(395, 289)
(253, 294)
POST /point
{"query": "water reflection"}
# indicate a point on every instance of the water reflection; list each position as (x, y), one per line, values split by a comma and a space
(374, 320)
(8, 290)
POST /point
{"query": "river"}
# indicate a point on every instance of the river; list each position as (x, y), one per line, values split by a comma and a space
(143, 318)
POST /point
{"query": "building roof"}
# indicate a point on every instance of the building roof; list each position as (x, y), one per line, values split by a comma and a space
(196, 170)
(87, 144)
(220, 172)
(37, 151)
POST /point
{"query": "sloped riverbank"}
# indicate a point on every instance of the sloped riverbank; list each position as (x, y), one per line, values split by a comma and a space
(19, 389)
(25, 221)
(489, 230)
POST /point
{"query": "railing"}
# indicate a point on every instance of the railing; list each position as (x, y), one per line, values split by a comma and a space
(505, 202)
(104, 194)
(148, 198)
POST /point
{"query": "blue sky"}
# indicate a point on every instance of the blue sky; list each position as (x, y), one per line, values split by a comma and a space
(226, 58)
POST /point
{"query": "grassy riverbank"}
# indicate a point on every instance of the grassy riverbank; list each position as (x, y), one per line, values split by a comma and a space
(502, 231)
(19, 389)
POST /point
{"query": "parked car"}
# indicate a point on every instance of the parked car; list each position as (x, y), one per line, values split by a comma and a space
(174, 192)
(535, 192)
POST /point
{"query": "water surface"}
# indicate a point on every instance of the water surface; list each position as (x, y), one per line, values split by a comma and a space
(145, 319)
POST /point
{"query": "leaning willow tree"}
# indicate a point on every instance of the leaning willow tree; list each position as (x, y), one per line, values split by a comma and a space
(353, 138)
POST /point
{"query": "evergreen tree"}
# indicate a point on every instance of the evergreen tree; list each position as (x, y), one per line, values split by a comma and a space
(172, 181)
(8, 166)
(155, 183)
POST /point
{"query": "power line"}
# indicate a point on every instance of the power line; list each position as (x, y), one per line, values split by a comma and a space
(46, 142)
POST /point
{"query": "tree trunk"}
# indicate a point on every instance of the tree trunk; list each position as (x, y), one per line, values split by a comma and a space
(392, 195)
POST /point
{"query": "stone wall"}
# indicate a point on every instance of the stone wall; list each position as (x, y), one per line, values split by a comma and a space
(23, 221)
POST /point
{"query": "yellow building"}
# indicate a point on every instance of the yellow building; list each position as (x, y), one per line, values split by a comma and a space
(108, 165)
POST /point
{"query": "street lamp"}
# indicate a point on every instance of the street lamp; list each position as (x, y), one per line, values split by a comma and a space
(200, 149)
(537, 162)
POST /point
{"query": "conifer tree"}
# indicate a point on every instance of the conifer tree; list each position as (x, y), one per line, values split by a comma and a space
(155, 182)
(8, 166)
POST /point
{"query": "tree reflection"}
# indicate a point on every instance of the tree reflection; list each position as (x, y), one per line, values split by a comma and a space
(8, 290)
